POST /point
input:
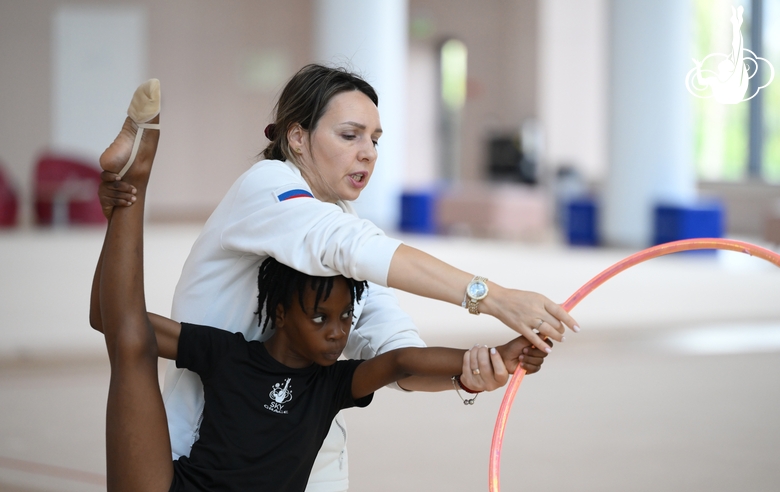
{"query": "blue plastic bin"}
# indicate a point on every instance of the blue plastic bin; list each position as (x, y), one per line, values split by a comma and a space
(582, 222)
(418, 212)
(676, 222)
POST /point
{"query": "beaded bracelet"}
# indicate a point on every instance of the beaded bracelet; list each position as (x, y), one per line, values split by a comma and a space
(458, 385)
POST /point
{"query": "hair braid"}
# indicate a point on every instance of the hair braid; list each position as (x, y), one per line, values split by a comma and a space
(278, 283)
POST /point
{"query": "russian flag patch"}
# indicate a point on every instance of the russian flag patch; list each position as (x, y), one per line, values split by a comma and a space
(288, 193)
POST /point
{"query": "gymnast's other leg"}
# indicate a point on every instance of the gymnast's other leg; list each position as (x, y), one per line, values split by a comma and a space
(138, 448)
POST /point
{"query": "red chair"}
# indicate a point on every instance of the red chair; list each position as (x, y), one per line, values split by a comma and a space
(9, 201)
(66, 192)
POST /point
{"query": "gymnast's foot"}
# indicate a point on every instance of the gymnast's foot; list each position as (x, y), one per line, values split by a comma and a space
(132, 152)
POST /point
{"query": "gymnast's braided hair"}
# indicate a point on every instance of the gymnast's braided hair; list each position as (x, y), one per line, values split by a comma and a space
(278, 283)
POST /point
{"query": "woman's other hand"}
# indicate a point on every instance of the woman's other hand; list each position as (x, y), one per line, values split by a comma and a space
(483, 371)
(487, 369)
(114, 193)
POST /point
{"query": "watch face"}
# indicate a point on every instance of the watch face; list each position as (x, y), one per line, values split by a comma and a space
(477, 290)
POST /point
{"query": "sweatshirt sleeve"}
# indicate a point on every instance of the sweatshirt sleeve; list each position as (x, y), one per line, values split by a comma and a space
(311, 236)
(381, 327)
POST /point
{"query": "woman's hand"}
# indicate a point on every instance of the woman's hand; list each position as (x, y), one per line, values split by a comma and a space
(532, 315)
(114, 193)
(483, 371)
(487, 369)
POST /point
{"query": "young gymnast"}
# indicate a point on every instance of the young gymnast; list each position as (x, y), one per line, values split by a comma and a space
(268, 404)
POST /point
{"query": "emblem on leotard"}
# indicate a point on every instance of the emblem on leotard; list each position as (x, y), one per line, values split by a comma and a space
(280, 394)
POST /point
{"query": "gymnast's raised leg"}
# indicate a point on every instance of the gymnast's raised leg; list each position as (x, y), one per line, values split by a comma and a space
(138, 448)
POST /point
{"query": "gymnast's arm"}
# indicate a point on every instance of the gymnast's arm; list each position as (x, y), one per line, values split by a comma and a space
(166, 330)
(434, 361)
(119, 194)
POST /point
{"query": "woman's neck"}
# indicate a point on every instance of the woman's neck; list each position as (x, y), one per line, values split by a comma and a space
(318, 186)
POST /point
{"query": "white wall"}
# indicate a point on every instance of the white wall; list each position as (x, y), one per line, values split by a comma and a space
(99, 57)
(221, 66)
(422, 162)
(573, 75)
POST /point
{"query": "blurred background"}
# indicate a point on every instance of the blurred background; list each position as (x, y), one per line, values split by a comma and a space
(532, 141)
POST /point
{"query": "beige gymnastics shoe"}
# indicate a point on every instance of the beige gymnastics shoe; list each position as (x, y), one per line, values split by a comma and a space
(144, 107)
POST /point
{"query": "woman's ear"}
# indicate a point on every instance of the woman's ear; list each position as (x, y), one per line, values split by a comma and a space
(296, 137)
(279, 318)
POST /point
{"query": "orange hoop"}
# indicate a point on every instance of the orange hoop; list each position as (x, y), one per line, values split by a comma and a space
(494, 474)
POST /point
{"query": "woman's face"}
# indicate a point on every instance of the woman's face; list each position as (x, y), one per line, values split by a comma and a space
(342, 148)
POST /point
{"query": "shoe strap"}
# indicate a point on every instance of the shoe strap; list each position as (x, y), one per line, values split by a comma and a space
(137, 143)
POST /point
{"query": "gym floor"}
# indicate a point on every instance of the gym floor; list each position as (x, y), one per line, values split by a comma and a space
(671, 385)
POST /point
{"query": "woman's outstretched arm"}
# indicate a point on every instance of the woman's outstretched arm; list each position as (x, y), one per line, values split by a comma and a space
(414, 271)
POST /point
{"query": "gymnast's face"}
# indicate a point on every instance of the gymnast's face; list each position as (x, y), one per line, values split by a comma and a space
(342, 147)
(319, 335)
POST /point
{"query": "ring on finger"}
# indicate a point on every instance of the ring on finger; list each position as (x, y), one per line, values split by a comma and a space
(541, 322)
(475, 372)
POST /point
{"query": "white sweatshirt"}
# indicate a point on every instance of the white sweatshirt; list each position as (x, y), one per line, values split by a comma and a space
(270, 211)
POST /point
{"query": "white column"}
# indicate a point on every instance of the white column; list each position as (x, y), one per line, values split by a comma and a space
(370, 37)
(650, 147)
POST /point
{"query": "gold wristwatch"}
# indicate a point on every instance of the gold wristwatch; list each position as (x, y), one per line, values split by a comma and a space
(475, 292)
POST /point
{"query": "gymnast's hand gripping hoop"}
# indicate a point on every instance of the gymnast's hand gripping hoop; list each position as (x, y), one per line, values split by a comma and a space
(644, 255)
